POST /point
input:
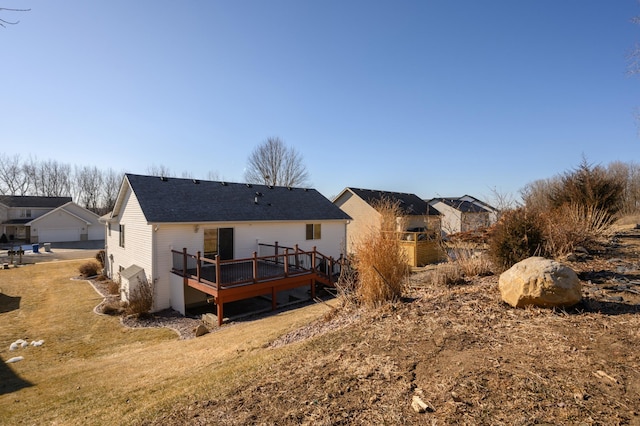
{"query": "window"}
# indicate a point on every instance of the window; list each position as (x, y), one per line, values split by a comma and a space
(314, 231)
(28, 213)
(210, 242)
(121, 242)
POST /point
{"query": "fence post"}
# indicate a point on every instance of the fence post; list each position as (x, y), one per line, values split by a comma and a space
(198, 265)
(255, 267)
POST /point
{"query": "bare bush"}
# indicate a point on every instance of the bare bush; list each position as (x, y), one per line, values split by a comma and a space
(140, 299)
(572, 225)
(517, 236)
(471, 262)
(89, 269)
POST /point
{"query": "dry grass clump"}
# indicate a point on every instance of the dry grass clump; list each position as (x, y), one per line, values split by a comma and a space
(572, 225)
(380, 261)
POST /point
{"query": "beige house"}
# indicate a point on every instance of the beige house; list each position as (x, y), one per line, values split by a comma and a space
(418, 223)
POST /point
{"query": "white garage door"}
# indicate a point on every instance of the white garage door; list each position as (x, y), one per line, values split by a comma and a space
(58, 235)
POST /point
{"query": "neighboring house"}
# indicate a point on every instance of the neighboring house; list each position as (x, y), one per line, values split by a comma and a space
(461, 214)
(360, 205)
(31, 219)
(155, 217)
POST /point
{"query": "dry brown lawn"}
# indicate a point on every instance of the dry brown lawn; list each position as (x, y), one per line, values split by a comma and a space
(91, 370)
(470, 357)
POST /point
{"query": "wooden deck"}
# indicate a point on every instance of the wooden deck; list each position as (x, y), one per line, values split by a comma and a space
(238, 279)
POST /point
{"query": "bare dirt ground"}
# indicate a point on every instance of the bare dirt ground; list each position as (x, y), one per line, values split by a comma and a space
(469, 357)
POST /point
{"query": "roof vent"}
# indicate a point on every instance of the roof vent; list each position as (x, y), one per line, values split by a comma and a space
(196, 181)
(259, 194)
(223, 183)
(163, 178)
(255, 200)
(249, 185)
(270, 186)
(290, 188)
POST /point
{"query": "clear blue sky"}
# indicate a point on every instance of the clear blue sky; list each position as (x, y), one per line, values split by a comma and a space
(436, 98)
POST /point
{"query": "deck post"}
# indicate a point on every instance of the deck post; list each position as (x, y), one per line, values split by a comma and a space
(184, 265)
(274, 298)
(219, 311)
(276, 253)
(218, 272)
(313, 259)
(330, 271)
(297, 257)
(198, 265)
(286, 262)
(255, 267)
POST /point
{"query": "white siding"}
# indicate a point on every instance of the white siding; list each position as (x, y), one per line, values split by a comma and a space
(171, 237)
(451, 218)
(170, 291)
(137, 249)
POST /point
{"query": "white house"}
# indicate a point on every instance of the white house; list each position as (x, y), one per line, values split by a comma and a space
(461, 214)
(155, 215)
(34, 219)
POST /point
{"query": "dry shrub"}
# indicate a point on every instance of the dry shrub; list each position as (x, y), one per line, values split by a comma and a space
(471, 262)
(100, 257)
(114, 307)
(447, 274)
(572, 225)
(113, 287)
(517, 235)
(140, 299)
(380, 261)
(89, 269)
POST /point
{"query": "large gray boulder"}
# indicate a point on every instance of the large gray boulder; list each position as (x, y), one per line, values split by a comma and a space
(540, 282)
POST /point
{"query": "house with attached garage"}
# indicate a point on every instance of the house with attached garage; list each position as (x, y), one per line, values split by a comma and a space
(31, 219)
(197, 242)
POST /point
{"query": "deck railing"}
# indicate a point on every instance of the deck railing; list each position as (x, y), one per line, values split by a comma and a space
(283, 262)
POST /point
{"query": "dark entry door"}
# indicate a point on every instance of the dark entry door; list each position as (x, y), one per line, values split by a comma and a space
(225, 243)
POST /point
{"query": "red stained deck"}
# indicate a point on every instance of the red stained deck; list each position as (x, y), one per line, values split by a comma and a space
(238, 279)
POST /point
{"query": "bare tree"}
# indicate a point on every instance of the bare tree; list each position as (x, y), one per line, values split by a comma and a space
(4, 22)
(51, 179)
(14, 176)
(213, 175)
(88, 186)
(160, 170)
(110, 186)
(273, 163)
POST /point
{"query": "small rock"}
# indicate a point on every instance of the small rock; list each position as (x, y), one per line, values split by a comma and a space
(15, 359)
(419, 406)
(201, 330)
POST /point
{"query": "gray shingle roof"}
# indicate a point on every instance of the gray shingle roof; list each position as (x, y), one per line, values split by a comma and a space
(463, 205)
(33, 201)
(410, 204)
(195, 201)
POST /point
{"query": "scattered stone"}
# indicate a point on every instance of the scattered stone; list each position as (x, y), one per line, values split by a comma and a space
(15, 359)
(419, 406)
(201, 330)
(540, 282)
